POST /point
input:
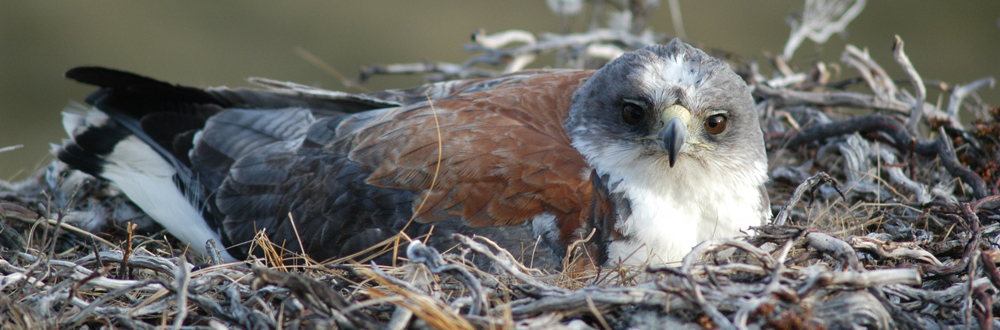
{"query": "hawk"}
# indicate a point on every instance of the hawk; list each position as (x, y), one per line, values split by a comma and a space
(653, 153)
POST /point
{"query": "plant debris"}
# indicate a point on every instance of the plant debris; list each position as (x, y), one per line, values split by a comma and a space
(887, 216)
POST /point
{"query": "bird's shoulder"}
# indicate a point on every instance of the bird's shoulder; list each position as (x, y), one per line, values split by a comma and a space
(504, 154)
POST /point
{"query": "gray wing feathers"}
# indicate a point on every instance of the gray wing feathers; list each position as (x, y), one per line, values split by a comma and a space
(237, 133)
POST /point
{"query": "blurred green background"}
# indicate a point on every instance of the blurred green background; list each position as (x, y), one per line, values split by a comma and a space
(211, 43)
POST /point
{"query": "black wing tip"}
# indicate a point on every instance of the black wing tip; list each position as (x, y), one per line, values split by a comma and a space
(77, 158)
(105, 77)
(82, 72)
(88, 148)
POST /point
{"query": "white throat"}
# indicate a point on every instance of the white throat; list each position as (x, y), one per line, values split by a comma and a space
(679, 207)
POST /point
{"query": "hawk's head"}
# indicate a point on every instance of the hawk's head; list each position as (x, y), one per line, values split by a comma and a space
(676, 133)
(665, 105)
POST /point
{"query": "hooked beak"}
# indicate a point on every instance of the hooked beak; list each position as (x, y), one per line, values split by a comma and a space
(674, 134)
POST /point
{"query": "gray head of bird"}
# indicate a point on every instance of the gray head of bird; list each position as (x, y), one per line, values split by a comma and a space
(662, 107)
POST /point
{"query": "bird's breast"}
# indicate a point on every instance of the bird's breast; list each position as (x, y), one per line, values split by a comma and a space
(688, 206)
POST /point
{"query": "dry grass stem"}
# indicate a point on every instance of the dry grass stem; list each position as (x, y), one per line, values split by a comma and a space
(887, 216)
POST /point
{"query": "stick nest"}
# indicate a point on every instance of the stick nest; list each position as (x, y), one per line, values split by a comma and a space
(886, 217)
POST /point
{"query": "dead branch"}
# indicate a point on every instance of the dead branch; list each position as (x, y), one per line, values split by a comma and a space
(784, 98)
(919, 256)
(820, 20)
(810, 184)
(898, 136)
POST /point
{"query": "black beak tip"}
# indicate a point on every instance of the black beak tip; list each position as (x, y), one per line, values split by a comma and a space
(672, 139)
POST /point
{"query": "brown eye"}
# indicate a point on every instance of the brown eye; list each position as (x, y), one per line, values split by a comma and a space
(632, 114)
(715, 124)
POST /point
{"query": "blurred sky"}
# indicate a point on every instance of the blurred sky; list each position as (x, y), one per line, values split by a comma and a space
(211, 43)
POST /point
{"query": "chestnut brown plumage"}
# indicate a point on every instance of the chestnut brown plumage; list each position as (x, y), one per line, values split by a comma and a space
(654, 152)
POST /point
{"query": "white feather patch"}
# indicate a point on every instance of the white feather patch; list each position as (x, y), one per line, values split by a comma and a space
(659, 77)
(673, 209)
(147, 179)
(544, 225)
(97, 118)
(72, 121)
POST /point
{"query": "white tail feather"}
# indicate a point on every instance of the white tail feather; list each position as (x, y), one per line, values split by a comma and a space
(148, 180)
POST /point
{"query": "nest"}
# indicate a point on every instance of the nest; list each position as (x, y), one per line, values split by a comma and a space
(887, 217)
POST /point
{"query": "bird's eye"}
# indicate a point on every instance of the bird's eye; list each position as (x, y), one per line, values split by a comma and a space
(715, 124)
(632, 114)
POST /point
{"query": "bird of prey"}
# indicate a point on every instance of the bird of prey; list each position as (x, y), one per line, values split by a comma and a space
(647, 156)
